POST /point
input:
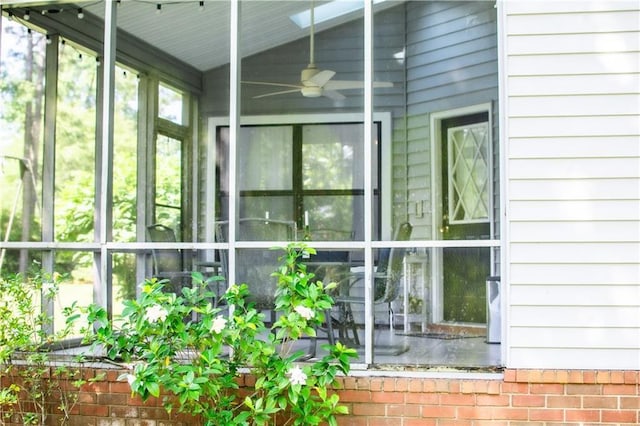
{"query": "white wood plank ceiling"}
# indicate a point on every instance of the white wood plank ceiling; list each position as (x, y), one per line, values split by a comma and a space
(199, 36)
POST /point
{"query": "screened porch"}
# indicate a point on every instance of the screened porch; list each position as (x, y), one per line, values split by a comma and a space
(142, 139)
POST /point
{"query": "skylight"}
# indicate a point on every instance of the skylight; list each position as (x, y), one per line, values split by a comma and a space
(328, 11)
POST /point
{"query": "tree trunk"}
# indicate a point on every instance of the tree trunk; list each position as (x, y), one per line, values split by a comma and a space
(34, 73)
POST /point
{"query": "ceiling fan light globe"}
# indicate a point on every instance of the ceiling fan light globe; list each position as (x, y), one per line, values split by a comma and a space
(311, 91)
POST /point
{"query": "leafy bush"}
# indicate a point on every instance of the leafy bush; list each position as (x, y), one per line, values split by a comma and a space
(34, 376)
(191, 351)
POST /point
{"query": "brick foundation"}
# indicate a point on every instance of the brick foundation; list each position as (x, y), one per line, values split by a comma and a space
(542, 397)
(518, 397)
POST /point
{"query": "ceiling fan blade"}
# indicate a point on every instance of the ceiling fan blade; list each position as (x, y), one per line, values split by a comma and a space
(353, 84)
(266, 83)
(332, 94)
(281, 92)
(320, 78)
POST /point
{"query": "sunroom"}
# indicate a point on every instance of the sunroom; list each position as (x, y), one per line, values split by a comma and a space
(155, 138)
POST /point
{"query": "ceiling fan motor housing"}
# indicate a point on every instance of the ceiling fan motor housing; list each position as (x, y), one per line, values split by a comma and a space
(307, 74)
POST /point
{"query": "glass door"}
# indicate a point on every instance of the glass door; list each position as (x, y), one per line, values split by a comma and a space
(310, 174)
(466, 183)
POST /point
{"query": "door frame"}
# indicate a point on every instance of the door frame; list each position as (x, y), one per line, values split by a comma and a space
(435, 126)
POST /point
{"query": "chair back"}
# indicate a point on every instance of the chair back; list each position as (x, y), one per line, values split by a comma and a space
(260, 229)
(329, 234)
(164, 260)
(387, 287)
(255, 266)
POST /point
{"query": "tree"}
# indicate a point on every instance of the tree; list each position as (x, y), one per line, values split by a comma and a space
(22, 99)
(21, 118)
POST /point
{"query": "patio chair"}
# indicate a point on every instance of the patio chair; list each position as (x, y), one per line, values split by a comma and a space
(168, 263)
(386, 288)
(255, 266)
(330, 234)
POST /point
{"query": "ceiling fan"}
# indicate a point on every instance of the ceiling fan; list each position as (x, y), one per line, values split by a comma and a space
(315, 82)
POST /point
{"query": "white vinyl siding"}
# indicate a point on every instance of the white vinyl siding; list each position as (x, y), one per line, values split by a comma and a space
(572, 73)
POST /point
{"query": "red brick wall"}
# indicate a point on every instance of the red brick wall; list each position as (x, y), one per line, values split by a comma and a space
(523, 397)
(532, 397)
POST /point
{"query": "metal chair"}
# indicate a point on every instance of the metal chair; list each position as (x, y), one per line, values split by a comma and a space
(329, 234)
(168, 263)
(386, 287)
(255, 266)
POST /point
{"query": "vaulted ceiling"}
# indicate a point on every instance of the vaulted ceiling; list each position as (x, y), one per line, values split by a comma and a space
(198, 34)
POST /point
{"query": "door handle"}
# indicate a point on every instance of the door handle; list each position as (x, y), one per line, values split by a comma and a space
(445, 224)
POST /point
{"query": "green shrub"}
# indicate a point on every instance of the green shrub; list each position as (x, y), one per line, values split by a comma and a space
(190, 352)
(32, 374)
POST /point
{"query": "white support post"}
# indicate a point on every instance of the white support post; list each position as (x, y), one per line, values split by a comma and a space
(102, 285)
(49, 164)
(234, 129)
(368, 184)
(145, 115)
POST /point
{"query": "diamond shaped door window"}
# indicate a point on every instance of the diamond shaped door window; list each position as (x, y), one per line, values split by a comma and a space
(468, 167)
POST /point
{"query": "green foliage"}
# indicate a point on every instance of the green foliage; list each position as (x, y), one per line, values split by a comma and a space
(11, 261)
(22, 95)
(8, 400)
(35, 376)
(190, 351)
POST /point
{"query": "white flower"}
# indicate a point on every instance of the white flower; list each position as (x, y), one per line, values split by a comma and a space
(131, 378)
(304, 312)
(297, 376)
(155, 313)
(48, 286)
(218, 324)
